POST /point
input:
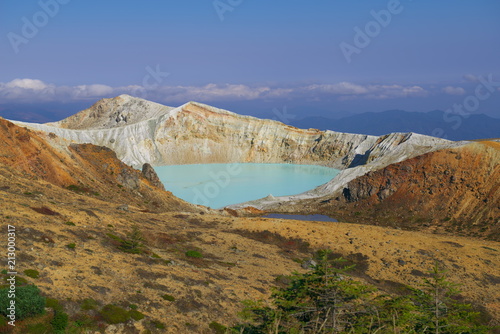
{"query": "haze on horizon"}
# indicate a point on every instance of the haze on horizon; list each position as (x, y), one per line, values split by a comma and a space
(332, 58)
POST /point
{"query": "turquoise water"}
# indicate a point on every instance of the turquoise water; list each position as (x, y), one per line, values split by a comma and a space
(220, 185)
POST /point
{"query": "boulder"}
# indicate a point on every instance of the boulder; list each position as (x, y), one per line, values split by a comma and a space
(150, 174)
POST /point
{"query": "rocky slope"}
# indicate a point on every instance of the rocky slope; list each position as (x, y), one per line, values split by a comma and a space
(450, 190)
(83, 168)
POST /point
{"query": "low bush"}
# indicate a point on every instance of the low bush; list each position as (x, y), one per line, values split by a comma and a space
(168, 297)
(32, 273)
(113, 314)
(29, 302)
(53, 304)
(327, 297)
(60, 321)
(217, 328)
(82, 320)
(133, 243)
(20, 281)
(40, 328)
(158, 324)
(136, 315)
(193, 253)
(89, 304)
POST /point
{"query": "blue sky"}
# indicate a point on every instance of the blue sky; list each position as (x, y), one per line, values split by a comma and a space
(257, 54)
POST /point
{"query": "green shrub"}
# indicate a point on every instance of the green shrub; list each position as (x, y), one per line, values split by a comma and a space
(78, 189)
(195, 254)
(20, 281)
(136, 315)
(70, 223)
(114, 237)
(133, 306)
(71, 245)
(168, 297)
(83, 320)
(217, 328)
(32, 273)
(3, 321)
(40, 328)
(60, 321)
(113, 314)
(158, 324)
(133, 243)
(28, 301)
(326, 295)
(53, 304)
(439, 312)
(4, 271)
(89, 304)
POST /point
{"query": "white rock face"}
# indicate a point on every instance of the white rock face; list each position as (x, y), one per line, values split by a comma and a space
(140, 131)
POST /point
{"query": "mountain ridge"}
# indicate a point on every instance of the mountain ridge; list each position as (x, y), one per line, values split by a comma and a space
(450, 126)
(156, 140)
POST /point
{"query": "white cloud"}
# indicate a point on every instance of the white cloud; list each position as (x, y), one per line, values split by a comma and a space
(92, 91)
(342, 88)
(27, 84)
(32, 90)
(471, 78)
(453, 90)
(350, 91)
(212, 92)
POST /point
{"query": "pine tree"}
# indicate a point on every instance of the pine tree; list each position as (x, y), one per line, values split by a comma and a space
(440, 312)
(134, 241)
(327, 300)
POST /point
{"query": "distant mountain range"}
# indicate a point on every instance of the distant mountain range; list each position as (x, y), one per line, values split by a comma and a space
(435, 123)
